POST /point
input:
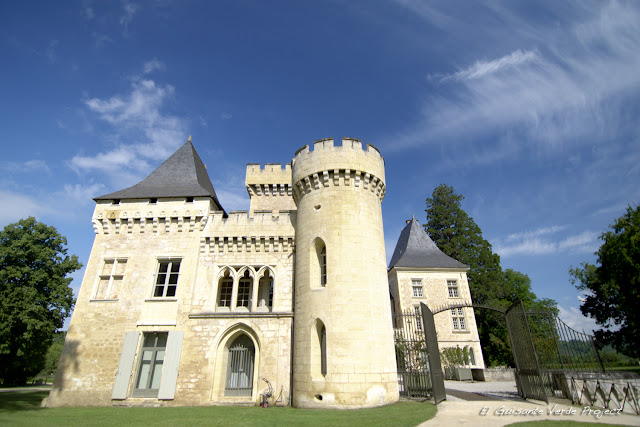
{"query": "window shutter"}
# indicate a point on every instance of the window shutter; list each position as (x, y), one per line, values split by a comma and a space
(170, 368)
(121, 385)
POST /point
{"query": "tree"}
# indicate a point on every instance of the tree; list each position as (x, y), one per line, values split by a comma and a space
(457, 235)
(611, 285)
(53, 354)
(35, 296)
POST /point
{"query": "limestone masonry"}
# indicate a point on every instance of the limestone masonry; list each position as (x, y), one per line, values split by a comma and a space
(183, 303)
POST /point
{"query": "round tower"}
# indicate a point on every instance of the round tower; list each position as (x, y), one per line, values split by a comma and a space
(343, 338)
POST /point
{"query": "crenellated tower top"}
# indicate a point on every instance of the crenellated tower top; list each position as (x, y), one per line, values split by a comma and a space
(348, 164)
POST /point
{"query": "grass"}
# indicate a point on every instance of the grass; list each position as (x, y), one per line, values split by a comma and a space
(634, 368)
(22, 408)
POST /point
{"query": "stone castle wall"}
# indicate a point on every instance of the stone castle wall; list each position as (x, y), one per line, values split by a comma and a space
(139, 233)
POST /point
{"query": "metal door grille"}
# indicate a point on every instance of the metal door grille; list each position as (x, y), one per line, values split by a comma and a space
(240, 368)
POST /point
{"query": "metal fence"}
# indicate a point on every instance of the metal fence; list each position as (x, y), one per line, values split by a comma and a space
(620, 395)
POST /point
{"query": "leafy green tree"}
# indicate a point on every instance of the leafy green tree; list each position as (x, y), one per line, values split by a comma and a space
(457, 235)
(53, 354)
(35, 296)
(612, 285)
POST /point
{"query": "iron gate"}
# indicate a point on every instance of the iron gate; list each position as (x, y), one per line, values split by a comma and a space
(240, 367)
(528, 375)
(417, 355)
(437, 376)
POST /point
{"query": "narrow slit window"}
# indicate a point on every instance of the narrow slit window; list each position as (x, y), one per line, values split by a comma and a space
(322, 260)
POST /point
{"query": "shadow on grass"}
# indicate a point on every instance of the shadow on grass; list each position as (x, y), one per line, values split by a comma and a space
(26, 400)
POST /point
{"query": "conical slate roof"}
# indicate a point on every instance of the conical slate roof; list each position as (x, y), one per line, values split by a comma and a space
(181, 175)
(416, 249)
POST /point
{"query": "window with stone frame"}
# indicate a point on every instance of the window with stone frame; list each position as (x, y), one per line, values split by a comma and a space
(458, 319)
(454, 292)
(166, 282)
(245, 290)
(110, 279)
(225, 290)
(265, 290)
(418, 313)
(416, 285)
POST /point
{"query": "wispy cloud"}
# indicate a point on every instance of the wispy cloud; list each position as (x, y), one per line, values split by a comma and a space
(16, 206)
(29, 166)
(82, 194)
(153, 65)
(544, 98)
(130, 10)
(226, 116)
(544, 241)
(141, 130)
(485, 68)
(50, 52)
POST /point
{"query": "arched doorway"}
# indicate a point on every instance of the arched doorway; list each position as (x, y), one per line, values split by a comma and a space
(240, 365)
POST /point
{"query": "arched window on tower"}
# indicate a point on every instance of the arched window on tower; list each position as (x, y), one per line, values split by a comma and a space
(319, 350)
(322, 261)
(323, 351)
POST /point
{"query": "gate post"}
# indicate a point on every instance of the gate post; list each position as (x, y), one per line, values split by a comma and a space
(435, 366)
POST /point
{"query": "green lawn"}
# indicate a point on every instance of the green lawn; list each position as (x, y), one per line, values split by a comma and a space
(23, 408)
(635, 368)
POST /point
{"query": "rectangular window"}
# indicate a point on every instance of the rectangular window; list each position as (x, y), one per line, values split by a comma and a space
(453, 288)
(226, 288)
(244, 293)
(110, 279)
(167, 278)
(459, 321)
(417, 291)
(150, 364)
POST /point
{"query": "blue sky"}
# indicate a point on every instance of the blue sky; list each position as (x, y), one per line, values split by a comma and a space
(530, 109)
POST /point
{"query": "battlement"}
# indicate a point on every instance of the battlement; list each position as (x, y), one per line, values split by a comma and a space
(346, 165)
(327, 144)
(269, 174)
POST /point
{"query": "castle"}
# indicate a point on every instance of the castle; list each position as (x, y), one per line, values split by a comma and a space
(183, 303)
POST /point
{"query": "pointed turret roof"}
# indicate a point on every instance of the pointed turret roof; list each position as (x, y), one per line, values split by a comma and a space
(181, 175)
(416, 249)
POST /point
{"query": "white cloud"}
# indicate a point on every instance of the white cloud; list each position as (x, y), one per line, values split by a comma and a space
(130, 10)
(83, 194)
(153, 65)
(143, 133)
(34, 165)
(545, 98)
(226, 116)
(233, 200)
(483, 68)
(16, 206)
(575, 319)
(543, 242)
